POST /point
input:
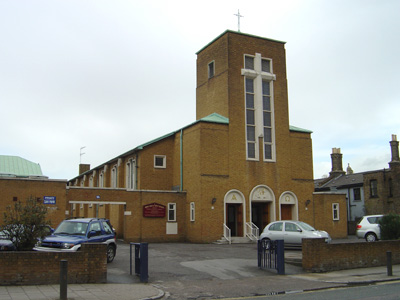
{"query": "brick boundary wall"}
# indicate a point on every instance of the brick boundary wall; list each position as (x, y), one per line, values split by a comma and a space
(319, 256)
(89, 265)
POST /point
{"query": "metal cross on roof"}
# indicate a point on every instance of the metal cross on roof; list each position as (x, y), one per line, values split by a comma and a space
(239, 16)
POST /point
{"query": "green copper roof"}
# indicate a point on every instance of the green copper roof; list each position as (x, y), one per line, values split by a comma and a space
(298, 129)
(213, 118)
(240, 33)
(15, 166)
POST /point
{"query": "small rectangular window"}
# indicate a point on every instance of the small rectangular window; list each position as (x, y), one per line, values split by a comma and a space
(357, 194)
(266, 65)
(159, 161)
(249, 62)
(192, 211)
(172, 212)
(211, 70)
(335, 211)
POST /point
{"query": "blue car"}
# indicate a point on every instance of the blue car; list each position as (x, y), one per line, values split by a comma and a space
(72, 233)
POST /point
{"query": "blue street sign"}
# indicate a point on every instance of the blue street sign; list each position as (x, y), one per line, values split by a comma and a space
(49, 200)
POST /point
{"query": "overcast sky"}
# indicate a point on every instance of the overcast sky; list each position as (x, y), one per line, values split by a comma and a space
(111, 75)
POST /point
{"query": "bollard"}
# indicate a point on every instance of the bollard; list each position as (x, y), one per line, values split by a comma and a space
(389, 263)
(63, 279)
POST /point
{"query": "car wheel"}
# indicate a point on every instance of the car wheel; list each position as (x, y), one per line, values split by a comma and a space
(110, 253)
(370, 237)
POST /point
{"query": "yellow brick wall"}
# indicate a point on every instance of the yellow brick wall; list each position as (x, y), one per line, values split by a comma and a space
(323, 216)
(23, 189)
(133, 227)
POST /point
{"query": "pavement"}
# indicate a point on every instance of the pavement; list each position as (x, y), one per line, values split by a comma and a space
(202, 274)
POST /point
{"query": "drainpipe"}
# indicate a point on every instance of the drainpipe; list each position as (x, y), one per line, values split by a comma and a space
(181, 161)
(136, 171)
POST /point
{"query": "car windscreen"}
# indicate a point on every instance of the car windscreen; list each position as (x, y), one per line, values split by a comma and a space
(305, 226)
(72, 228)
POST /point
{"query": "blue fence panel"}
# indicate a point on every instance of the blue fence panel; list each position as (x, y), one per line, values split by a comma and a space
(271, 255)
(141, 260)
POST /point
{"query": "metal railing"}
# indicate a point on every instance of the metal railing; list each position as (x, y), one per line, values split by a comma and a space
(252, 231)
(271, 255)
(227, 234)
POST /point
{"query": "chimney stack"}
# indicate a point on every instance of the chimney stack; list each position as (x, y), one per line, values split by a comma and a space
(337, 166)
(83, 168)
(394, 145)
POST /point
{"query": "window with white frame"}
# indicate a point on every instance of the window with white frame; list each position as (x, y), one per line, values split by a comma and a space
(335, 211)
(114, 176)
(211, 69)
(259, 106)
(91, 181)
(250, 119)
(172, 212)
(131, 174)
(101, 179)
(192, 211)
(160, 161)
(373, 185)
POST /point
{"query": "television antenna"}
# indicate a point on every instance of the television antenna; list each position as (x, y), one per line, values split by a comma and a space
(81, 153)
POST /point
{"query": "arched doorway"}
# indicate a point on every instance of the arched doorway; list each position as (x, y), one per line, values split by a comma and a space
(234, 216)
(262, 206)
(288, 206)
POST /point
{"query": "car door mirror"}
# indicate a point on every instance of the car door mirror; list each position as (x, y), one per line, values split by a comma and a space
(91, 233)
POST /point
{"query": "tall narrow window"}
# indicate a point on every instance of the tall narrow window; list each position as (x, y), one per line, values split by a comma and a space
(101, 179)
(211, 70)
(114, 177)
(131, 174)
(259, 107)
(172, 212)
(335, 211)
(357, 194)
(250, 119)
(192, 211)
(91, 181)
(373, 188)
(267, 119)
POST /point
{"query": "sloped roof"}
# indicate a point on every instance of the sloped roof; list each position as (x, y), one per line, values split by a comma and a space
(212, 118)
(15, 166)
(298, 129)
(341, 182)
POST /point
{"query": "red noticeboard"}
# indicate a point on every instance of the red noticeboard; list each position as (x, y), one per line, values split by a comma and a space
(154, 210)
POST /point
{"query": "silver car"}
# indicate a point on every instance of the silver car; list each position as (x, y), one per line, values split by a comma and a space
(368, 228)
(292, 232)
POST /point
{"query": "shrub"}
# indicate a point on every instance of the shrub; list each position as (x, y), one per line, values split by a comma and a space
(390, 227)
(24, 224)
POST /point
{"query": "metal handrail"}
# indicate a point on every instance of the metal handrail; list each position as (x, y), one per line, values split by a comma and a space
(252, 231)
(227, 234)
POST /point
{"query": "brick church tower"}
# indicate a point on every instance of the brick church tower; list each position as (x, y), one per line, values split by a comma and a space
(269, 163)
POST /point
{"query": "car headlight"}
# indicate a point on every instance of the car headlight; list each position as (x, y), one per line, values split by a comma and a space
(67, 245)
